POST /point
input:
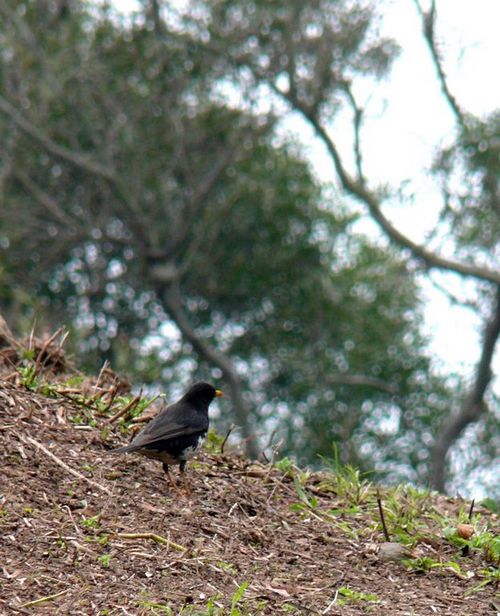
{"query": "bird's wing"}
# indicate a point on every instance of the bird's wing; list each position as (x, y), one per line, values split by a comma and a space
(176, 420)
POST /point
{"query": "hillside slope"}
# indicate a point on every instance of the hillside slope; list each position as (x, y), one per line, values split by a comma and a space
(86, 532)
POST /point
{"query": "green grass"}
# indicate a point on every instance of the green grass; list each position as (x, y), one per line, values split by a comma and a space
(411, 516)
(104, 560)
(28, 373)
(213, 442)
(346, 481)
(347, 595)
(92, 406)
(91, 522)
(215, 606)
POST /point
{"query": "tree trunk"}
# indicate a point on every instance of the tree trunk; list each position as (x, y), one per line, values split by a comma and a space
(474, 405)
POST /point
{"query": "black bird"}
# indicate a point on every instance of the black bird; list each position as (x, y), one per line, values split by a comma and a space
(178, 430)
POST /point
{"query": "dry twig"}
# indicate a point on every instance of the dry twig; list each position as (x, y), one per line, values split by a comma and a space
(132, 404)
(153, 537)
(382, 518)
(231, 428)
(471, 509)
(63, 465)
(44, 599)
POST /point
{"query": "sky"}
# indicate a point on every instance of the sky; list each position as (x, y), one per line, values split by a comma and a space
(409, 116)
(416, 120)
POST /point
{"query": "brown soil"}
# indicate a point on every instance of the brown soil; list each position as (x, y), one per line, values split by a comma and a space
(115, 540)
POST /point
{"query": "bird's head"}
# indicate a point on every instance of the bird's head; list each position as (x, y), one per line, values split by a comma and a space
(201, 394)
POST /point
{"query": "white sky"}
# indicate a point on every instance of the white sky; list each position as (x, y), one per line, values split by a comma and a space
(417, 119)
(407, 118)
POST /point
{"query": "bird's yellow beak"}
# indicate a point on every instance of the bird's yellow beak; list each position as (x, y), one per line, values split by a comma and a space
(218, 392)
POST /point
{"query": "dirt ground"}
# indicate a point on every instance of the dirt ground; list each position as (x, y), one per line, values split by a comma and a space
(86, 532)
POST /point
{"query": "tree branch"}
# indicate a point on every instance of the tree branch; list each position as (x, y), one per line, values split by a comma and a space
(362, 380)
(454, 299)
(358, 190)
(428, 23)
(173, 303)
(81, 161)
(78, 159)
(474, 405)
(44, 199)
(358, 119)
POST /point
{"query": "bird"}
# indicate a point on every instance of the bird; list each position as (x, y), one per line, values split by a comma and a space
(177, 432)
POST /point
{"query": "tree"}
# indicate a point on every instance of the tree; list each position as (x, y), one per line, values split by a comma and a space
(134, 194)
(311, 56)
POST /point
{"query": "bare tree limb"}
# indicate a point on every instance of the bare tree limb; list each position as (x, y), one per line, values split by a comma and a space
(173, 303)
(454, 299)
(358, 190)
(48, 203)
(358, 119)
(82, 161)
(474, 405)
(429, 23)
(78, 159)
(362, 380)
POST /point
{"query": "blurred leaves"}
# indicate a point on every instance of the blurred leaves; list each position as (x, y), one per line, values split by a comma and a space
(127, 167)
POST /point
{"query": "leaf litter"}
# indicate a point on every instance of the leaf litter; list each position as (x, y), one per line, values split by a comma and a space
(85, 532)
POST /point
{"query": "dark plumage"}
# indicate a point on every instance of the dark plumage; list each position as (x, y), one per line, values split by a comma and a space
(178, 430)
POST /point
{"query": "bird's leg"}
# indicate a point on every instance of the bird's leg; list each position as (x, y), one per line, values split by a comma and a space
(171, 480)
(185, 481)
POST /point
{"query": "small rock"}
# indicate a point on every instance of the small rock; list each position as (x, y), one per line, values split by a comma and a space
(393, 551)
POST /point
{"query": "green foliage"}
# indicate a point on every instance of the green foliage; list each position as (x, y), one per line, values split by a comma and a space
(213, 606)
(92, 522)
(93, 406)
(491, 575)
(306, 502)
(237, 598)
(347, 481)
(484, 541)
(129, 172)
(352, 596)
(425, 564)
(412, 517)
(473, 160)
(104, 560)
(28, 373)
(214, 441)
(491, 504)
(317, 60)
(286, 466)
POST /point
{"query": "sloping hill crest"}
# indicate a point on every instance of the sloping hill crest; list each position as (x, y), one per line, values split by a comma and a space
(84, 532)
